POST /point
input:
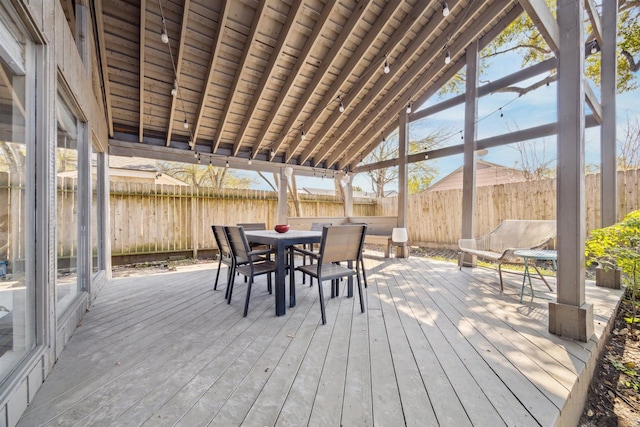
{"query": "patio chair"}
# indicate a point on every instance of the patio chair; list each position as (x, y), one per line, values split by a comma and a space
(250, 226)
(315, 226)
(249, 263)
(342, 243)
(226, 256)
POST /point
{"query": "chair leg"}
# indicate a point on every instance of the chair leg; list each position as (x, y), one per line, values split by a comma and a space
(246, 303)
(229, 279)
(360, 292)
(364, 274)
(322, 311)
(215, 285)
(269, 288)
(500, 273)
(232, 278)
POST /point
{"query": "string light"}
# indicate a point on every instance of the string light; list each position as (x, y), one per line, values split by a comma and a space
(163, 35)
(272, 153)
(341, 107)
(303, 136)
(249, 161)
(387, 69)
(501, 113)
(185, 124)
(409, 108)
(447, 57)
(445, 9)
(226, 165)
(174, 90)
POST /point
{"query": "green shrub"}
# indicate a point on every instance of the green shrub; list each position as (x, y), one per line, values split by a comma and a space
(616, 246)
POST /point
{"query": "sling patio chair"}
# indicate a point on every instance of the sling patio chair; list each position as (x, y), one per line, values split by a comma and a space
(249, 263)
(341, 243)
(226, 257)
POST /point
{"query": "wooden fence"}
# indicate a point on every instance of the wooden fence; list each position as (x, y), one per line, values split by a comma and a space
(148, 218)
(435, 217)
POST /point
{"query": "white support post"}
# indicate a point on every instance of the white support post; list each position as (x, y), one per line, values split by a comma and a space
(104, 221)
(571, 316)
(348, 198)
(403, 186)
(282, 198)
(470, 136)
(608, 173)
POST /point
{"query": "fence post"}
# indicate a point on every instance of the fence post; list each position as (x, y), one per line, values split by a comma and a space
(194, 222)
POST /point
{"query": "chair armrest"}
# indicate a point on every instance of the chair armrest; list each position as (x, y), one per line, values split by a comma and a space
(306, 252)
(261, 252)
(467, 244)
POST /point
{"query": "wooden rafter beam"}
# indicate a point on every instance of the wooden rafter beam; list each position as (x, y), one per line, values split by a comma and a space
(397, 71)
(215, 54)
(594, 18)
(482, 144)
(350, 150)
(143, 30)
(285, 34)
(174, 99)
(14, 96)
(104, 75)
(255, 25)
(178, 69)
(293, 74)
(330, 96)
(542, 17)
(410, 84)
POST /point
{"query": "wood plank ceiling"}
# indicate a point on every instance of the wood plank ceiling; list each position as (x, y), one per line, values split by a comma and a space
(252, 77)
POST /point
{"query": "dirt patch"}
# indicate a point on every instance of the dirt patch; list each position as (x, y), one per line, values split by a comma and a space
(614, 393)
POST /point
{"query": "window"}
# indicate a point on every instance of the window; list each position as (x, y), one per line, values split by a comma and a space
(17, 119)
(68, 136)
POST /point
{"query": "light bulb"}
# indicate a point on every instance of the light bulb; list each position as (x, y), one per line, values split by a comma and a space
(409, 108)
(174, 90)
(164, 36)
(249, 161)
(445, 9)
(302, 135)
(387, 69)
(447, 58)
(185, 124)
(341, 108)
(226, 165)
(594, 47)
(273, 153)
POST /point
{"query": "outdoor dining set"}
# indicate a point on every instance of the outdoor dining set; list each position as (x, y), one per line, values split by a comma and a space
(334, 253)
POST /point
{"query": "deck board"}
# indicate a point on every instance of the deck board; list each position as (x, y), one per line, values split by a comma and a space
(436, 346)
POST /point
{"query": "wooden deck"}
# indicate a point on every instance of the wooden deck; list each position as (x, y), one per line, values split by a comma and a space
(436, 346)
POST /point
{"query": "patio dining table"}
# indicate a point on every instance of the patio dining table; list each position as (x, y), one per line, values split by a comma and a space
(280, 242)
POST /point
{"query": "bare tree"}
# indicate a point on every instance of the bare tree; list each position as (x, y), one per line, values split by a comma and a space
(420, 174)
(535, 163)
(629, 145)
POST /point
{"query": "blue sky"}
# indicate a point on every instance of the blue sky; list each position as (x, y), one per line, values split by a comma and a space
(499, 113)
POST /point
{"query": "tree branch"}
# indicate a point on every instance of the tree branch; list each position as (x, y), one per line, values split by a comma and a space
(520, 46)
(524, 90)
(633, 66)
